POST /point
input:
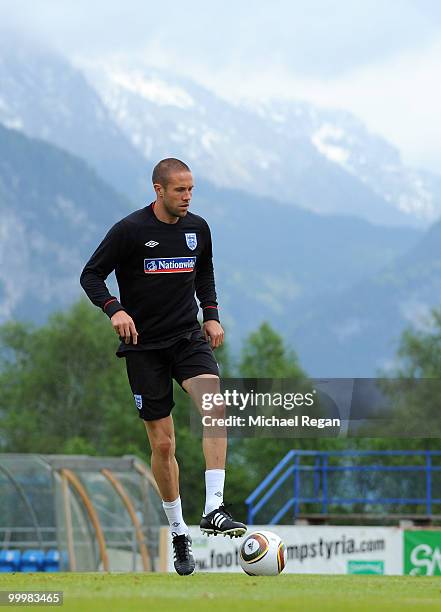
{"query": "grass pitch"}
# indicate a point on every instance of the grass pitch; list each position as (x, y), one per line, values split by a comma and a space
(231, 592)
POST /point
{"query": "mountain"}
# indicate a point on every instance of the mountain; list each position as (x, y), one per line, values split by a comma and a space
(123, 121)
(43, 96)
(356, 332)
(323, 160)
(52, 207)
(338, 288)
(270, 259)
(273, 260)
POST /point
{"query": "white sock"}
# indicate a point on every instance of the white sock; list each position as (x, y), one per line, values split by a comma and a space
(173, 510)
(214, 489)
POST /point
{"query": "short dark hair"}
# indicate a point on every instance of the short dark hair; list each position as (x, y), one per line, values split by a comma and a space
(163, 169)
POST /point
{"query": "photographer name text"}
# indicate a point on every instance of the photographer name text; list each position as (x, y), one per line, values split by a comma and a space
(297, 420)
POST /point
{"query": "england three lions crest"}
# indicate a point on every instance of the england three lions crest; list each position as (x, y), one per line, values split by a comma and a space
(192, 241)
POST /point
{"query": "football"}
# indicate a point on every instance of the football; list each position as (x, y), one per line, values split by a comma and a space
(262, 553)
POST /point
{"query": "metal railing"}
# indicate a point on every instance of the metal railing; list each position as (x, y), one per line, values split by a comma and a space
(310, 481)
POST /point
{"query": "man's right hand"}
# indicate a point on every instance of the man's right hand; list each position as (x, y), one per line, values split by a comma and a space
(124, 326)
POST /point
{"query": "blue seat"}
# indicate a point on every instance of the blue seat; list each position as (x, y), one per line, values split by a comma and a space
(51, 561)
(32, 561)
(9, 560)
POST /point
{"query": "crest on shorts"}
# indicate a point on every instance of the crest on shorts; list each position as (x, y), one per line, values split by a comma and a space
(192, 241)
(138, 401)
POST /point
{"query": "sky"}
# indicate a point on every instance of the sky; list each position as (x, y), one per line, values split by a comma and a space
(380, 60)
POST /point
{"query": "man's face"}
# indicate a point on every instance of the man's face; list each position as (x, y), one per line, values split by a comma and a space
(177, 193)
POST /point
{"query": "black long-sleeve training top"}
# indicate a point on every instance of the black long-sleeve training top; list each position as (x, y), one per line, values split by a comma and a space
(159, 267)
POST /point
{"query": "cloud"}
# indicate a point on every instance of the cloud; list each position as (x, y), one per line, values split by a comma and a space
(308, 37)
(398, 98)
(377, 59)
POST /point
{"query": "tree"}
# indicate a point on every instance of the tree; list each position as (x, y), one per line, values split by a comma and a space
(413, 389)
(63, 390)
(420, 351)
(264, 355)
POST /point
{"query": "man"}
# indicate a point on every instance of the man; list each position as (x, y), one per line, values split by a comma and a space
(162, 256)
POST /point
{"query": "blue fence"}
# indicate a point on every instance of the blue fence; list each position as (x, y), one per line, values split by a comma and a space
(348, 480)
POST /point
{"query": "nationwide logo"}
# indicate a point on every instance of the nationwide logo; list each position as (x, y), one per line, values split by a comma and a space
(169, 264)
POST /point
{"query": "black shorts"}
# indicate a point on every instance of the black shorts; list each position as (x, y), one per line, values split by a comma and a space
(151, 372)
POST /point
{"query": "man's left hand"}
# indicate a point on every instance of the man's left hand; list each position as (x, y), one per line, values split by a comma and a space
(213, 333)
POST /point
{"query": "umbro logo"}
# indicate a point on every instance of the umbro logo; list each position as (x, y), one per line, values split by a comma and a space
(218, 493)
(151, 243)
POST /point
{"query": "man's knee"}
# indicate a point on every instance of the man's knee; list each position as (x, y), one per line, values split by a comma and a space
(216, 411)
(163, 445)
(161, 437)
